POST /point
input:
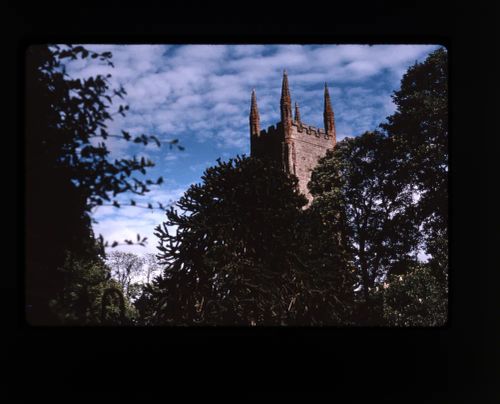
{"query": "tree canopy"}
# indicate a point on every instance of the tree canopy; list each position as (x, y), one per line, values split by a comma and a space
(358, 194)
(419, 129)
(385, 194)
(242, 247)
(68, 167)
(236, 254)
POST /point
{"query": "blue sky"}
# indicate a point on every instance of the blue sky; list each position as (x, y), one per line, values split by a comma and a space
(200, 94)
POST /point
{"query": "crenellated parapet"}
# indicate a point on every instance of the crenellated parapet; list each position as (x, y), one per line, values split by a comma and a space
(310, 130)
(268, 142)
(270, 131)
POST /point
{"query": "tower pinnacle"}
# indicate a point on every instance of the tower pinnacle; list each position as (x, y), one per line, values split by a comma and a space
(328, 117)
(297, 113)
(285, 103)
(254, 116)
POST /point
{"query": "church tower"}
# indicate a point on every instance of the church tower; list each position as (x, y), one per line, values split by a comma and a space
(295, 145)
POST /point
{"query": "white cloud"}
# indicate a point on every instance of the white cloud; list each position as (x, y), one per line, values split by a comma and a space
(119, 224)
(200, 94)
(202, 87)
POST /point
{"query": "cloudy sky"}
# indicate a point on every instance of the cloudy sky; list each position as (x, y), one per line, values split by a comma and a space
(200, 94)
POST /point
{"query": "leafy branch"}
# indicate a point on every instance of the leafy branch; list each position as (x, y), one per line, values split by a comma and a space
(149, 205)
(142, 241)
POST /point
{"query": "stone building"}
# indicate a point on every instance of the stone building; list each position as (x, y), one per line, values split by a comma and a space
(294, 144)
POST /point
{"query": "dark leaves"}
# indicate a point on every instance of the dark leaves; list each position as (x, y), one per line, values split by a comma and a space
(232, 250)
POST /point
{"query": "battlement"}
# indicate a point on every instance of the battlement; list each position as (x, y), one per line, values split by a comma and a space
(268, 132)
(310, 130)
(272, 130)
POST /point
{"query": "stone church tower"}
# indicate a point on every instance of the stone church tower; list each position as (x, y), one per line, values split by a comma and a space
(295, 145)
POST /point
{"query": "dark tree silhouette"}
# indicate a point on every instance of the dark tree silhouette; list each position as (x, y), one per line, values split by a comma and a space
(416, 298)
(245, 251)
(357, 192)
(236, 257)
(419, 129)
(68, 170)
(385, 195)
(109, 294)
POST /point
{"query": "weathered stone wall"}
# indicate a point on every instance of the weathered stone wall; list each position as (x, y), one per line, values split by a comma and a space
(308, 145)
(298, 154)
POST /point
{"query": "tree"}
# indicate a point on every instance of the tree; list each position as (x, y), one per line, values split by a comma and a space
(415, 299)
(419, 130)
(223, 263)
(125, 267)
(152, 266)
(85, 284)
(234, 258)
(331, 277)
(68, 169)
(385, 195)
(357, 194)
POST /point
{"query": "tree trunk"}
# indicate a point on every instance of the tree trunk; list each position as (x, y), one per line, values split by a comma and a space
(364, 269)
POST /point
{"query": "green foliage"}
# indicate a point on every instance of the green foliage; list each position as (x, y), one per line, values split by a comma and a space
(415, 299)
(150, 301)
(360, 198)
(125, 267)
(75, 112)
(322, 254)
(243, 250)
(116, 313)
(226, 238)
(419, 130)
(77, 302)
(85, 283)
(236, 257)
(385, 196)
(68, 168)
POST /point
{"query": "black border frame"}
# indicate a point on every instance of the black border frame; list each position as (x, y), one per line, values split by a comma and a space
(351, 364)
